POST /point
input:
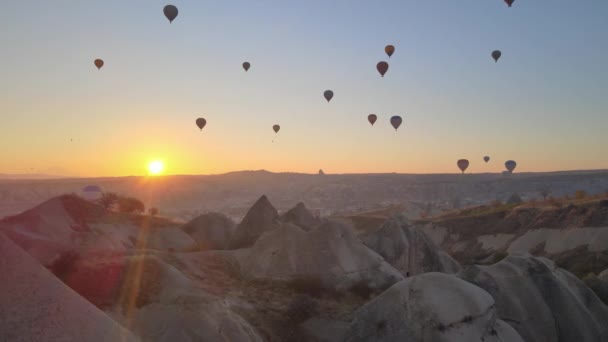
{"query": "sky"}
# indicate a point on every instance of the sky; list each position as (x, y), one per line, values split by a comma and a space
(543, 104)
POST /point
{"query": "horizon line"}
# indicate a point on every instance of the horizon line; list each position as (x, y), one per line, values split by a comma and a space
(40, 177)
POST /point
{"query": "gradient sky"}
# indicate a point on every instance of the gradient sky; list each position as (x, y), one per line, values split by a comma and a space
(543, 104)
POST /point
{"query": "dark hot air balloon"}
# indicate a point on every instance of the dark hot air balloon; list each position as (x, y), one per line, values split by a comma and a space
(509, 2)
(486, 159)
(98, 63)
(372, 118)
(170, 12)
(200, 122)
(91, 192)
(382, 67)
(396, 121)
(246, 66)
(496, 55)
(389, 49)
(328, 94)
(276, 128)
(510, 165)
(463, 164)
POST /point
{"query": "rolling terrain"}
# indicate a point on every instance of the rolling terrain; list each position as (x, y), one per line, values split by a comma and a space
(292, 276)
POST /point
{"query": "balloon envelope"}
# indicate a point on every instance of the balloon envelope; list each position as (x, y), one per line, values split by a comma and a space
(170, 12)
(382, 67)
(91, 192)
(276, 128)
(98, 63)
(510, 165)
(246, 66)
(509, 2)
(389, 49)
(372, 118)
(496, 55)
(486, 159)
(200, 122)
(463, 164)
(328, 94)
(396, 121)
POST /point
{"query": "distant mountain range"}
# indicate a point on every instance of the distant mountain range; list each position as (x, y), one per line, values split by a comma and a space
(31, 176)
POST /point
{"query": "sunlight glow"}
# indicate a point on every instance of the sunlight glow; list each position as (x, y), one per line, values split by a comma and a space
(156, 168)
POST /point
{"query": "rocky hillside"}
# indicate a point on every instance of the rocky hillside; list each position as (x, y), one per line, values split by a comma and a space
(573, 233)
(185, 197)
(271, 277)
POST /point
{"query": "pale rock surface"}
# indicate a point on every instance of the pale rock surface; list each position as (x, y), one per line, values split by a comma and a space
(330, 252)
(211, 231)
(431, 307)
(541, 301)
(408, 248)
(603, 276)
(260, 218)
(301, 217)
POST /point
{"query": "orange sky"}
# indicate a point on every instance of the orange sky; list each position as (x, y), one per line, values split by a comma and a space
(542, 104)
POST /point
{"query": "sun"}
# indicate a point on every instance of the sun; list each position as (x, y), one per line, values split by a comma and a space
(156, 167)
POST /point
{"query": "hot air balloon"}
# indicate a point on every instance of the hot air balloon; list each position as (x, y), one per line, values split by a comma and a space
(372, 118)
(276, 128)
(396, 121)
(98, 63)
(509, 2)
(328, 94)
(389, 49)
(200, 122)
(486, 159)
(496, 55)
(382, 68)
(463, 164)
(510, 165)
(91, 192)
(246, 66)
(170, 12)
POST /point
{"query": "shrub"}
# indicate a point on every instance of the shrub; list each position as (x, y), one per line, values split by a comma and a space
(544, 192)
(312, 286)
(108, 200)
(153, 211)
(381, 327)
(498, 256)
(65, 264)
(130, 205)
(514, 199)
(580, 194)
(301, 308)
(362, 289)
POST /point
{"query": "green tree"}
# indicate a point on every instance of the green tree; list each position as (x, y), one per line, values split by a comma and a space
(108, 199)
(544, 192)
(130, 205)
(514, 199)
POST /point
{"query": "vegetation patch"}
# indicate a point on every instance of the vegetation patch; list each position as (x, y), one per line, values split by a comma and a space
(301, 308)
